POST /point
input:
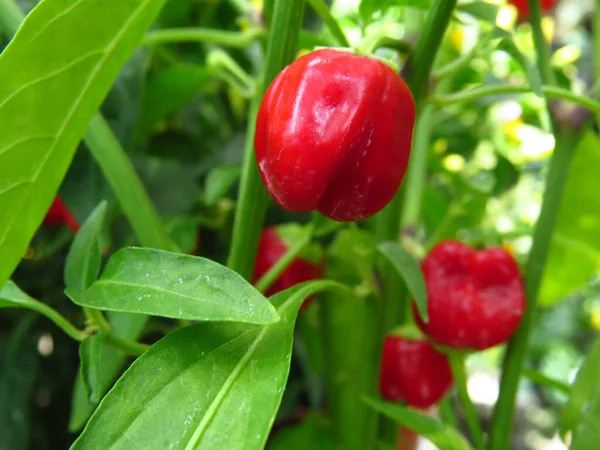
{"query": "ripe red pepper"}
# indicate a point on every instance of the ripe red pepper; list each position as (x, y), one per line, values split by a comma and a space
(523, 7)
(333, 134)
(475, 299)
(407, 439)
(59, 215)
(271, 248)
(413, 371)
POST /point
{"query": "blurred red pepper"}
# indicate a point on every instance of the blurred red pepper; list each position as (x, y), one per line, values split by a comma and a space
(59, 215)
(475, 299)
(413, 371)
(523, 7)
(407, 439)
(333, 134)
(271, 248)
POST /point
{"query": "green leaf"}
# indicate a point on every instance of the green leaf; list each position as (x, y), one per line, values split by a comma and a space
(218, 182)
(574, 257)
(155, 282)
(584, 392)
(125, 326)
(83, 261)
(444, 436)
(195, 380)
(17, 383)
(313, 433)
(90, 352)
(167, 92)
(480, 10)
(408, 268)
(69, 53)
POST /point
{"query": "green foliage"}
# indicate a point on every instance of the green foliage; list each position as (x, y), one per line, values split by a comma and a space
(442, 435)
(409, 269)
(60, 84)
(247, 383)
(154, 282)
(575, 252)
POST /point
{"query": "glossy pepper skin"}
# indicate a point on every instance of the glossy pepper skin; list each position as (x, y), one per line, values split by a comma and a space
(59, 215)
(523, 7)
(413, 371)
(476, 300)
(270, 249)
(333, 134)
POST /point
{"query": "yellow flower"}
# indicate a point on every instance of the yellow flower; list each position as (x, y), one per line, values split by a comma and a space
(511, 129)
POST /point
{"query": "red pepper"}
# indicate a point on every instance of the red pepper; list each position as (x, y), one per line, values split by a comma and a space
(407, 439)
(475, 299)
(413, 371)
(271, 248)
(333, 134)
(523, 7)
(59, 215)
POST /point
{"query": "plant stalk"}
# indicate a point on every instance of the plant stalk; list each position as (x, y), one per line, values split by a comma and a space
(253, 198)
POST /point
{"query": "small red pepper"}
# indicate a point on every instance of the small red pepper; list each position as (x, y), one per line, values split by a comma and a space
(271, 248)
(413, 371)
(333, 134)
(59, 215)
(523, 7)
(475, 299)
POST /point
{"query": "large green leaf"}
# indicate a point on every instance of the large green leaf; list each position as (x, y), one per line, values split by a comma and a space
(211, 385)
(444, 436)
(574, 256)
(155, 282)
(585, 397)
(55, 73)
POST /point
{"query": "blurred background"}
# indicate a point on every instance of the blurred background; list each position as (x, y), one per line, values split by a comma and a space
(182, 120)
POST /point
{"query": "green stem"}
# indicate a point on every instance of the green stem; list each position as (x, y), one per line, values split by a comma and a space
(372, 43)
(11, 16)
(96, 317)
(458, 64)
(457, 363)
(418, 67)
(417, 168)
(234, 39)
(543, 54)
(477, 93)
(534, 269)
(416, 72)
(59, 320)
(231, 72)
(267, 280)
(128, 188)
(129, 347)
(322, 10)
(447, 413)
(546, 381)
(253, 198)
(566, 141)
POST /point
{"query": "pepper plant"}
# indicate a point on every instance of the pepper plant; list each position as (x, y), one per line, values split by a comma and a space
(298, 224)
